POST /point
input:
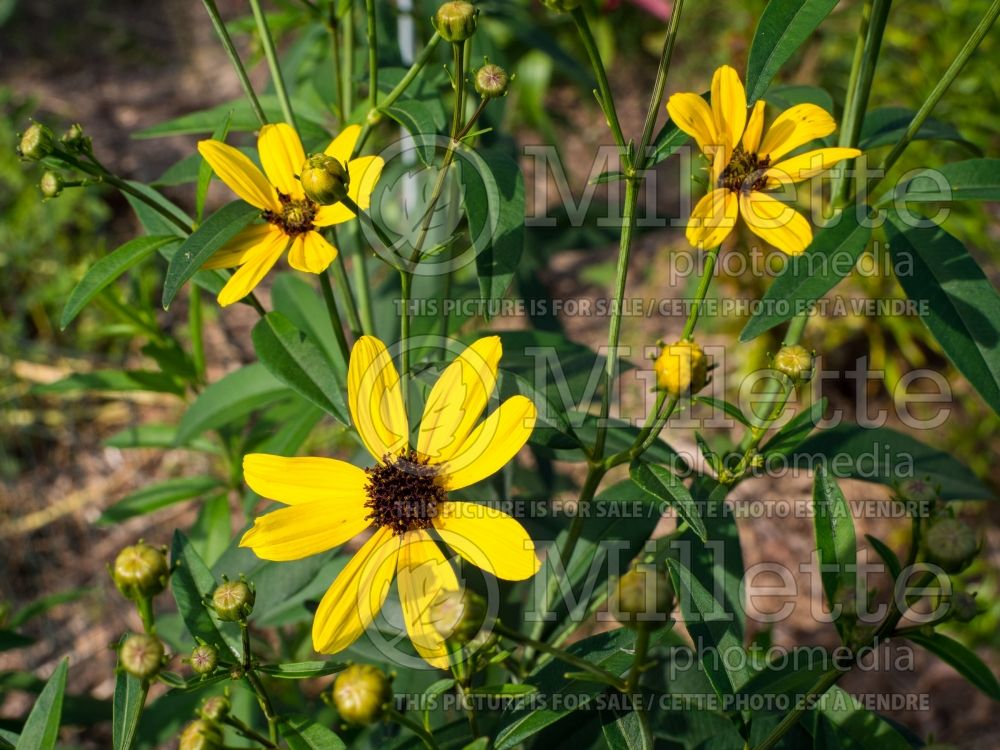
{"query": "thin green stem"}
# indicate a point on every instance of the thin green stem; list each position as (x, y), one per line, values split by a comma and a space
(700, 293)
(564, 656)
(267, 41)
(372, 28)
(331, 307)
(344, 287)
(145, 607)
(603, 87)
(247, 731)
(234, 58)
(406, 290)
(347, 61)
(659, 85)
(196, 331)
(426, 737)
(333, 26)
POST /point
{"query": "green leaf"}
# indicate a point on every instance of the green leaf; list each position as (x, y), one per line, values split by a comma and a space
(302, 733)
(493, 197)
(798, 428)
(41, 730)
(153, 221)
(113, 380)
(718, 404)
(889, 557)
(836, 544)
(884, 126)
(44, 604)
(960, 658)
(961, 306)
(623, 731)
(786, 97)
(885, 456)
(792, 675)
(783, 27)
(9, 640)
(807, 277)
(506, 688)
(296, 361)
(215, 232)
(190, 583)
(156, 496)
(970, 180)
(109, 268)
(243, 120)
(229, 399)
(302, 670)
(667, 142)
(130, 696)
(667, 487)
(210, 532)
(156, 436)
(855, 726)
(296, 299)
(422, 120)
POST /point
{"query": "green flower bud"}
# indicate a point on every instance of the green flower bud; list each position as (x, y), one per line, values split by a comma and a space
(140, 571)
(796, 362)
(204, 659)
(681, 368)
(644, 597)
(951, 544)
(458, 615)
(561, 6)
(37, 142)
(142, 655)
(964, 607)
(919, 491)
(360, 694)
(215, 708)
(201, 735)
(233, 600)
(324, 179)
(75, 140)
(51, 184)
(456, 21)
(491, 81)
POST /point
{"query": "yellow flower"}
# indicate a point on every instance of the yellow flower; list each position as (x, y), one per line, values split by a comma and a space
(745, 161)
(291, 221)
(402, 498)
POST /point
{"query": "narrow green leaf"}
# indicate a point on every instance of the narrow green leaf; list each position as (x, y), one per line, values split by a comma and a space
(836, 544)
(302, 733)
(302, 670)
(667, 487)
(970, 180)
(156, 496)
(129, 699)
(961, 659)
(504, 689)
(109, 268)
(113, 380)
(190, 583)
(215, 232)
(889, 557)
(153, 221)
(718, 404)
(884, 126)
(41, 730)
(798, 428)
(152, 435)
(623, 731)
(9, 640)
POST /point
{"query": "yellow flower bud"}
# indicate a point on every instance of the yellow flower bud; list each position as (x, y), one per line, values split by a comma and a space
(456, 21)
(360, 694)
(233, 601)
(140, 571)
(796, 362)
(142, 655)
(458, 615)
(51, 184)
(951, 544)
(324, 179)
(644, 597)
(491, 81)
(37, 142)
(681, 368)
(201, 735)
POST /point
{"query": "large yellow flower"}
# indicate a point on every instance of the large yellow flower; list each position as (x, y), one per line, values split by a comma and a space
(745, 161)
(291, 220)
(402, 498)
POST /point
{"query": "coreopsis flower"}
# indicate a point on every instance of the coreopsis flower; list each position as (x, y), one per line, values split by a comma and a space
(402, 498)
(745, 162)
(291, 219)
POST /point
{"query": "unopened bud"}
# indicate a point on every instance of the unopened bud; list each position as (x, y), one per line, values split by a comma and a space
(360, 694)
(37, 142)
(201, 735)
(204, 659)
(140, 571)
(324, 179)
(456, 21)
(964, 607)
(75, 140)
(644, 597)
(796, 362)
(561, 6)
(51, 184)
(142, 655)
(458, 615)
(681, 368)
(491, 81)
(919, 491)
(215, 708)
(951, 544)
(233, 600)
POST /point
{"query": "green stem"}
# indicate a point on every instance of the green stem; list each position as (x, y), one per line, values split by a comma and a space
(344, 286)
(196, 331)
(603, 88)
(347, 61)
(372, 53)
(272, 62)
(426, 737)
(564, 656)
(247, 731)
(700, 293)
(335, 322)
(660, 83)
(406, 290)
(234, 58)
(333, 25)
(145, 607)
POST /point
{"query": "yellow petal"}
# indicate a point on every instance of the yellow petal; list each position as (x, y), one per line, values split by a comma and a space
(303, 480)
(712, 219)
(376, 399)
(364, 173)
(693, 115)
(240, 174)
(729, 105)
(492, 444)
(489, 539)
(776, 223)
(306, 529)
(424, 575)
(254, 268)
(282, 156)
(351, 603)
(311, 253)
(809, 164)
(341, 148)
(795, 127)
(239, 248)
(755, 128)
(458, 398)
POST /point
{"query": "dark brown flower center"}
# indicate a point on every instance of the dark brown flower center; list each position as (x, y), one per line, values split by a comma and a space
(295, 217)
(745, 171)
(403, 493)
